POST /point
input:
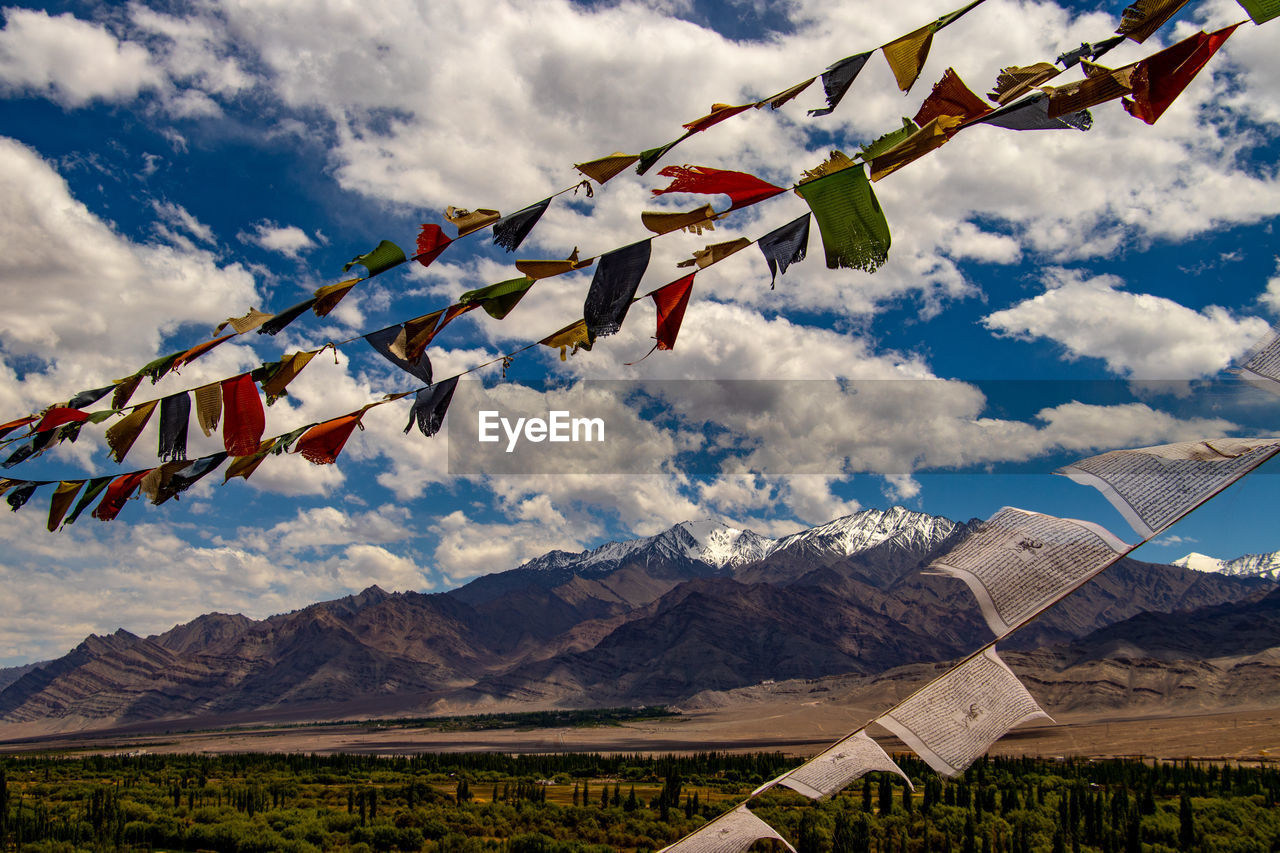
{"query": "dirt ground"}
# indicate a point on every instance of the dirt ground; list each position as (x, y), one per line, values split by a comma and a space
(795, 728)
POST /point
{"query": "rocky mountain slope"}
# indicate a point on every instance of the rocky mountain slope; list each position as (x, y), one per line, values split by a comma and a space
(700, 606)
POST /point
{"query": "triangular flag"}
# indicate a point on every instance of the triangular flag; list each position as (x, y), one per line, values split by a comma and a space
(56, 416)
(671, 301)
(1033, 114)
(277, 324)
(1159, 79)
(785, 246)
(328, 297)
(837, 79)
(247, 323)
(384, 341)
(95, 487)
(21, 493)
(244, 466)
(118, 493)
(122, 434)
(63, 497)
(732, 832)
(715, 253)
(741, 188)
(906, 55)
(321, 444)
(430, 406)
(382, 257)
(275, 376)
(776, 101)
(510, 231)
(604, 168)
(432, 241)
(719, 112)
(1016, 80)
(576, 335)
(469, 221)
(951, 97)
(928, 138)
(499, 299)
(537, 269)
(1102, 85)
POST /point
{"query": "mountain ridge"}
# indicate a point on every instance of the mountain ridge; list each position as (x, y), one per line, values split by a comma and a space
(656, 619)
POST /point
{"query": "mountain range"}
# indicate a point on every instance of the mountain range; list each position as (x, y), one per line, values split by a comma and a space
(661, 619)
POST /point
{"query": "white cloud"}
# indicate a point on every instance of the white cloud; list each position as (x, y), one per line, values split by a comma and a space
(71, 61)
(289, 240)
(1136, 334)
(85, 303)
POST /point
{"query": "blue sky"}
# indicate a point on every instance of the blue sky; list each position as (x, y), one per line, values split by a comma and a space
(166, 166)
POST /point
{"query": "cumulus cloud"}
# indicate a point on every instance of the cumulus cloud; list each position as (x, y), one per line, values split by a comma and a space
(71, 61)
(1136, 334)
(288, 240)
(85, 303)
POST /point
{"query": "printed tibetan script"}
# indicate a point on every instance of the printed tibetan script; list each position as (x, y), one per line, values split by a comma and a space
(731, 833)
(1153, 487)
(1017, 563)
(952, 721)
(831, 770)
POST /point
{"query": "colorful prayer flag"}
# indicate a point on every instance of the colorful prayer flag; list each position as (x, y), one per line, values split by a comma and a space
(382, 257)
(243, 418)
(741, 188)
(613, 287)
(430, 406)
(1160, 78)
(837, 79)
(785, 246)
(854, 232)
(510, 231)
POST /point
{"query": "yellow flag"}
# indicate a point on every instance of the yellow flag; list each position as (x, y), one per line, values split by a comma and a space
(604, 168)
(906, 55)
(928, 138)
(328, 297)
(63, 497)
(693, 221)
(122, 434)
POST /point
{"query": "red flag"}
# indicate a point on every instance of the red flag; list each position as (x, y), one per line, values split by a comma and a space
(671, 300)
(58, 416)
(431, 242)
(1161, 77)
(741, 188)
(243, 418)
(951, 97)
(117, 493)
(321, 444)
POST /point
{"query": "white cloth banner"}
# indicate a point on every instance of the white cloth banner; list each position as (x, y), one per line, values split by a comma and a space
(730, 833)
(952, 721)
(1153, 487)
(834, 768)
(1017, 563)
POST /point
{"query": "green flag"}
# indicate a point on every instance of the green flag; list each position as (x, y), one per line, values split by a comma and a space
(854, 231)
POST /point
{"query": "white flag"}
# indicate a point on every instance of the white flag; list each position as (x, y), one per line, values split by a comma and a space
(732, 832)
(1153, 487)
(1262, 367)
(1017, 563)
(831, 770)
(954, 719)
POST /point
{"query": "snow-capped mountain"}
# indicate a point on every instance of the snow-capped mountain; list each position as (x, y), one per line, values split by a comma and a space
(1249, 566)
(722, 547)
